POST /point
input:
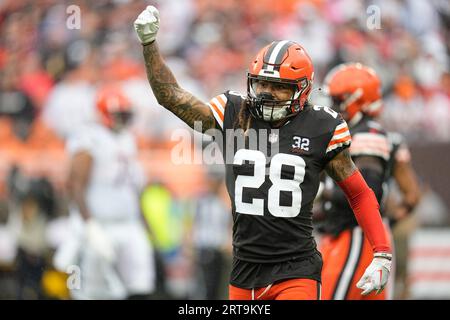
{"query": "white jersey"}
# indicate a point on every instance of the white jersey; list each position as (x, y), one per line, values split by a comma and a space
(116, 178)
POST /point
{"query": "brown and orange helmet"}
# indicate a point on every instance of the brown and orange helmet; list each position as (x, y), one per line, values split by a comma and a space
(113, 106)
(355, 90)
(283, 62)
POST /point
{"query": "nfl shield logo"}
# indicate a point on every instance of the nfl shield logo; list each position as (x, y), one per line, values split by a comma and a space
(273, 138)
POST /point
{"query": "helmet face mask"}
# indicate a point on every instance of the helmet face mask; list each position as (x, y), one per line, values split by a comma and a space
(265, 106)
(344, 103)
(285, 66)
(121, 119)
(337, 103)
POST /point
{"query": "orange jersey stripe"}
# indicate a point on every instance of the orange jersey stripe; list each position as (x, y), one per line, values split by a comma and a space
(216, 108)
(339, 131)
(345, 139)
(222, 102)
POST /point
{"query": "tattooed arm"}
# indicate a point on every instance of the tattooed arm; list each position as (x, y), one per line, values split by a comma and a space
(371, 169)
(341, 166)
(166, 89)
(170, 95)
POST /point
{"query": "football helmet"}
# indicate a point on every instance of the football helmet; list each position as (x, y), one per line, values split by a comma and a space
(284, 62)
(114, 107)
(355, 90)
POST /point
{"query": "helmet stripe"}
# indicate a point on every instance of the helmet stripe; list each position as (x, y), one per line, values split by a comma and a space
(268, 54)
(277, 54)
(281, 54)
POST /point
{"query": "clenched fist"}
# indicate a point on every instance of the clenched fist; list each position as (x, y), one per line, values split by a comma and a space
(147, 25)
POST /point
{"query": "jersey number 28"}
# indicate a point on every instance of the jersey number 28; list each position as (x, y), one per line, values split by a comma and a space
(256, 206)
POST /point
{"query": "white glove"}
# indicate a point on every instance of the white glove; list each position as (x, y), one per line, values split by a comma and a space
(67, 254)
(147, 25)
(377, 274)
(99, 241)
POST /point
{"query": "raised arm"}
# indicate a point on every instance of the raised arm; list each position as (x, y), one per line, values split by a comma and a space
(164, 85)
(366, 209)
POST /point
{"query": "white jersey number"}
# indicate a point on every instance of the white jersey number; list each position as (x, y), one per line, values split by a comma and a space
(256, 207)
(331, 112)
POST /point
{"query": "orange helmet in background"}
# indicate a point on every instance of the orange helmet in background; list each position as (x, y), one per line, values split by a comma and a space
(113, 106)
(283, 62)
(355, 90)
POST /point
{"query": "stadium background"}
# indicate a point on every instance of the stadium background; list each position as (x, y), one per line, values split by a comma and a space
(49, 74)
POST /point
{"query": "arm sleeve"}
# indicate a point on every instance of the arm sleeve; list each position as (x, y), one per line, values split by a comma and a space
(366, 209)
(373, 179)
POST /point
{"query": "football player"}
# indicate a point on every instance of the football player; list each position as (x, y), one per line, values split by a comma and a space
(401, 170)
(356, 93)
(274, 252)
(105, 182)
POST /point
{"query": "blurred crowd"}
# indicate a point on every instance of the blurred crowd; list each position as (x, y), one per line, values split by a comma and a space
(55, 54)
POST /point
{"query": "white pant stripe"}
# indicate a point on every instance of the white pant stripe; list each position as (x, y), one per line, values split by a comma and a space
(350, 267)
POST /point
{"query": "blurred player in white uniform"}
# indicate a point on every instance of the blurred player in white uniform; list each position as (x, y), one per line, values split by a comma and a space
(109, 242)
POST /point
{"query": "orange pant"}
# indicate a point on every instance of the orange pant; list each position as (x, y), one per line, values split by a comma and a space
(345, 258)
(292, 289)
